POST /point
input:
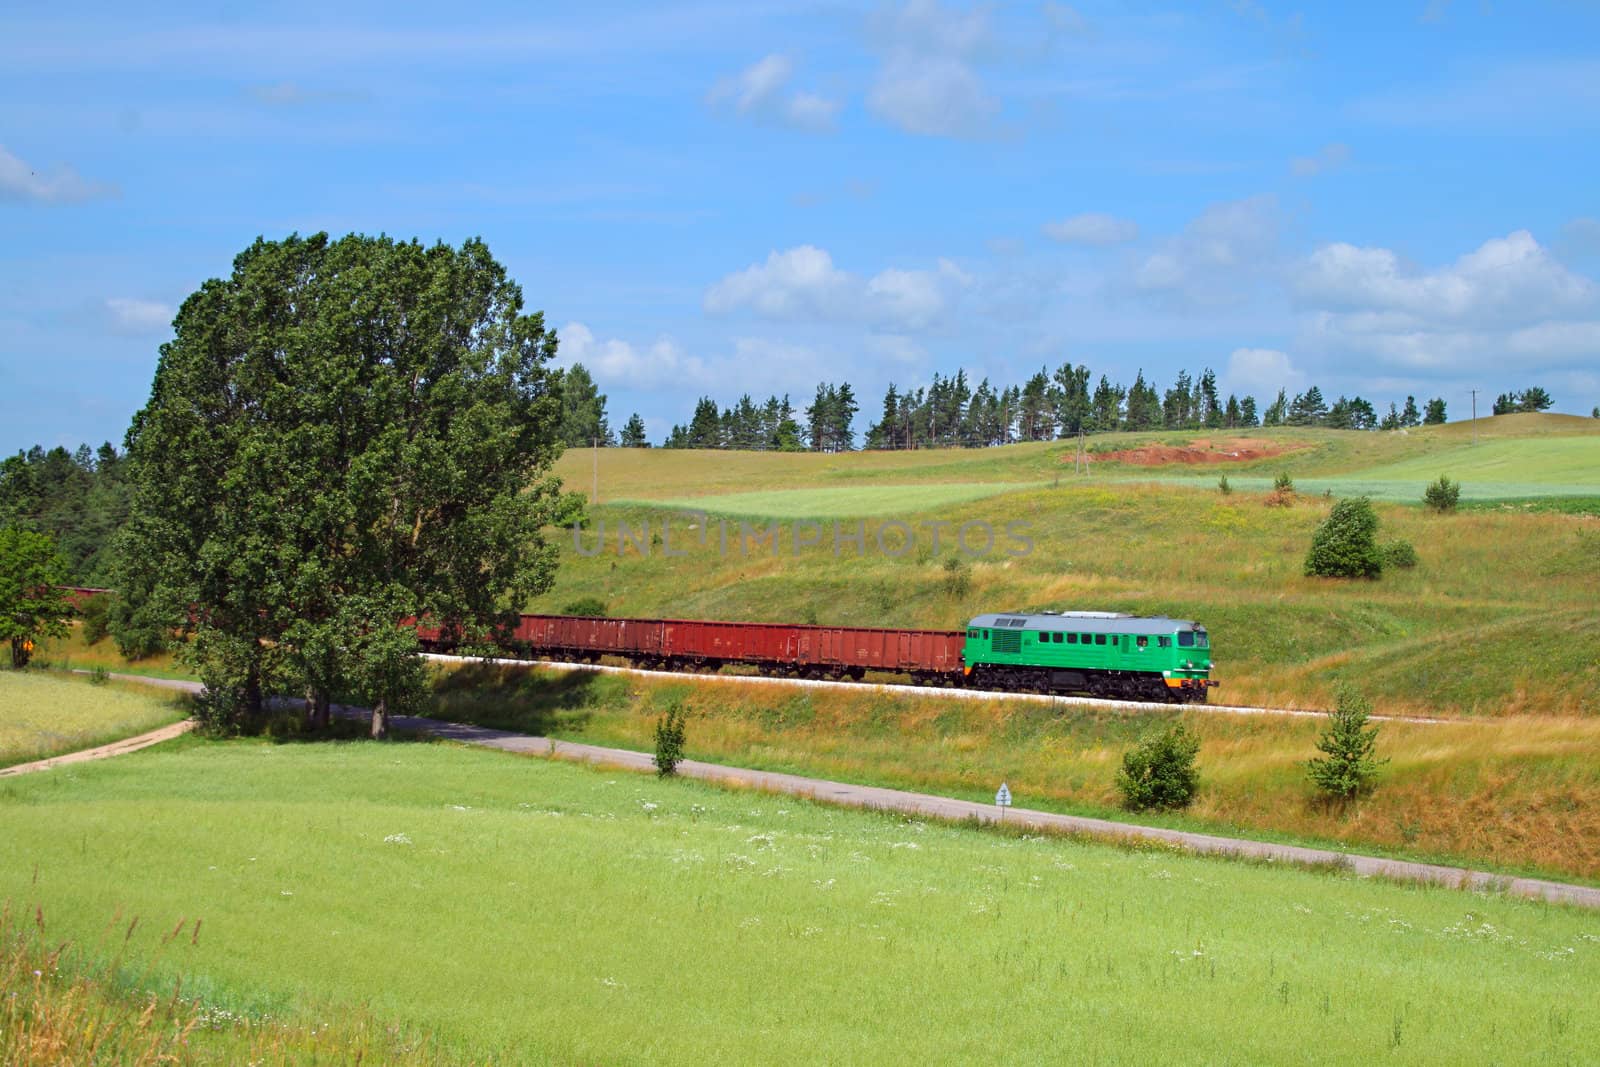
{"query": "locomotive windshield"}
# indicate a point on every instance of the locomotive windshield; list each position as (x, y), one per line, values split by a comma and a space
(1193, 639)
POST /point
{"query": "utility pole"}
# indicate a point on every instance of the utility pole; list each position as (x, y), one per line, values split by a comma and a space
(595, 495)
(1474, 416)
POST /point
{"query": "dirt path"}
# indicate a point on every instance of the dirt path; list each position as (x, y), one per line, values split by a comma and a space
(116, 748)
(877, 798)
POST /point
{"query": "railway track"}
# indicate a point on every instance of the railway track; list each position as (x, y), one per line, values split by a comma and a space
(941, 692)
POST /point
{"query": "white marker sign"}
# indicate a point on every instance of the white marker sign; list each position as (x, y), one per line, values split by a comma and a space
(1003, 796)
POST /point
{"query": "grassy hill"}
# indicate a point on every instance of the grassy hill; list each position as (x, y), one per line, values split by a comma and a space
(1496, 619)
(529, 911)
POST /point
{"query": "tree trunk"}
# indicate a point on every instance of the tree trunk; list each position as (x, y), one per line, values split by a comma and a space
(19, 652)
(322, 710)
(311, 707)
(380, 721)
(252, 692)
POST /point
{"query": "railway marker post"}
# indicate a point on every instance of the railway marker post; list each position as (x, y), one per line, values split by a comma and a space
(1002, 800)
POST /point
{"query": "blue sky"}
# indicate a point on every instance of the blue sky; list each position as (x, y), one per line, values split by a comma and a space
(717, 198)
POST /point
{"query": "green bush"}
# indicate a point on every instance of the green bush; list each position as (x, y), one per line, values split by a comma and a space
(669, 740)
(1346, 544)
(1283, 483)
(1443, 495)
(1223, 486)
(1399, 553)
(590, 606)
(957, 577)
(1159, 771)
(96, 612)
(1349, 765)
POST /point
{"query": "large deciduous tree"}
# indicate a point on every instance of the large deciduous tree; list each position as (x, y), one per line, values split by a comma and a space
(32, 603)
(344, 435)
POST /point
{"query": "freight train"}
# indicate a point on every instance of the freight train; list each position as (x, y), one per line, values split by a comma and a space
(1107, 654)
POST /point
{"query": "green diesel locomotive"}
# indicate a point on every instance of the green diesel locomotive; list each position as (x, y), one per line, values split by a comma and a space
(1125, 657)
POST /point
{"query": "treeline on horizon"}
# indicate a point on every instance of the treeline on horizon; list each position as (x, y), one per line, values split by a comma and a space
(950, 413)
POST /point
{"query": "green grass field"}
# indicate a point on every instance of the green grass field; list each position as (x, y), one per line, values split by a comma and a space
(537, 911)
(43, 715)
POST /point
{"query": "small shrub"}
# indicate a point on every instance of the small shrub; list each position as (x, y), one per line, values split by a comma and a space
(957, 577)
(99, 676)
(1283, 483)
(1223, 486)
(1349, 765)
(96, 612)
(1399, 553)
(1346, 543)
(1279, 498)
(589, 606)
(669, 740)
(1159, 771)
(1443, 495)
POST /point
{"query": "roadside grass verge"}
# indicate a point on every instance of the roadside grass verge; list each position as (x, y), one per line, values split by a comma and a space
(532, 910)
(1517, 795)
(44, 715)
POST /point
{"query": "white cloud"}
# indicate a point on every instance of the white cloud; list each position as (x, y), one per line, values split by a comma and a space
(927, 84)
(1260, 372)
(759, 92)
(935, 97)
(63, 185)
(802, 283)
(1508, 297)
(134, 317)
(1330, 157)
(617, 363)
(1506, 279)
(1217, 256)
(1092, 228)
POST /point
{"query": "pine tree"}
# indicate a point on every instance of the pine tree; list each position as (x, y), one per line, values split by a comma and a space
(1210, 413)
(1073, 403)
(1409, 415)
(1276, 411)
(1349, 765)
(1434, 415)
(633, 433)
(1247, 412)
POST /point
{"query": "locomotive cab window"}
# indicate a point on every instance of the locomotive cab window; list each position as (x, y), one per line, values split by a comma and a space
(1099, 639)
(1186, 639)
(1166, 642)
(1144, 642)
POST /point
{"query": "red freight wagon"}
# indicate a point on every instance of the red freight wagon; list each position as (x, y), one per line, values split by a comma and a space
(913, 651)
(589, 637)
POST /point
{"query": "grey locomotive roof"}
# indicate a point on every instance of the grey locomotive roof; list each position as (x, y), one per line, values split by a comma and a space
(1085, 623)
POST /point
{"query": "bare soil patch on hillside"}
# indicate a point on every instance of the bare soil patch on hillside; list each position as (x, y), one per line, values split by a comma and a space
(1228, 450)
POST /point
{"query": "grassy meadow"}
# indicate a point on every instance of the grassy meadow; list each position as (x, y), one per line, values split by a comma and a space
(44, 715)
(1496, 620)
(1516, 794)
(533, 911)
